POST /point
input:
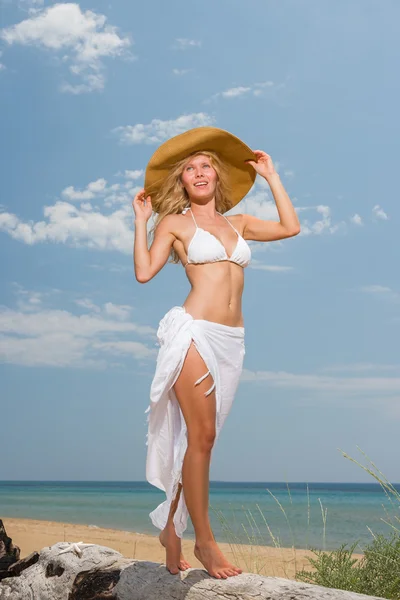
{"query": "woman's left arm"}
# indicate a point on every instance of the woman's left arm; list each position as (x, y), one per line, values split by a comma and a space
(288, 224)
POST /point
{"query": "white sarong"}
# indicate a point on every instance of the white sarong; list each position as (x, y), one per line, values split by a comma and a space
(222, 349)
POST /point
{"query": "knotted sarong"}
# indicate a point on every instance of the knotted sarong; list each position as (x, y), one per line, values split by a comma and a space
(222, 349)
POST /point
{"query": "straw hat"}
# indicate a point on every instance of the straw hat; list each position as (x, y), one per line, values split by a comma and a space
(230, 149)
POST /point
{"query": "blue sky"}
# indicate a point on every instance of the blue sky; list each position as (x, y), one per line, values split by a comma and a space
(88, 91)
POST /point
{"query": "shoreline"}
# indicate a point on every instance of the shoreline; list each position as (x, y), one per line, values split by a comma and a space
(34, 534)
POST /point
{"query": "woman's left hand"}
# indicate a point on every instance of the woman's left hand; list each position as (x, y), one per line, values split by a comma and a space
(264, 165)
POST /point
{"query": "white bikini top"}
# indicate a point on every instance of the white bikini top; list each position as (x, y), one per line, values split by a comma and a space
(204, 247)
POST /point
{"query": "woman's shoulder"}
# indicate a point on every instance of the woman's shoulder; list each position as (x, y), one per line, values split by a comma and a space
(173, 223)
(237, 220)
(235, 217)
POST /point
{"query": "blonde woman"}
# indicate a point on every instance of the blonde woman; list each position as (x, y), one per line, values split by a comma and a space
(191, 180)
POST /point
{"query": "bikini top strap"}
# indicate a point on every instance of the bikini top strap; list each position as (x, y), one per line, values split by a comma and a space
(191, 212)
(229, 222)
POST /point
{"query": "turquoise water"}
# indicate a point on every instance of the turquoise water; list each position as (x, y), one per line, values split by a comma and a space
(350, 509)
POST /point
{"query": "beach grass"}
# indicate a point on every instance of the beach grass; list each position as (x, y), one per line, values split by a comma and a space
(247, 539)
(375, 571)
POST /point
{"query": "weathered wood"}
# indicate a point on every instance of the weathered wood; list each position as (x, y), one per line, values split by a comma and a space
(16, 569)
(9, 553)
(92, 572)
(95, 585)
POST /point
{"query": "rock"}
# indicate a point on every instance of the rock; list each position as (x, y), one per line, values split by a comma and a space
(90, 572)
(9, 553)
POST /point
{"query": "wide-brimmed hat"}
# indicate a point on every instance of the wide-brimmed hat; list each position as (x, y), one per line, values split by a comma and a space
(232, 151)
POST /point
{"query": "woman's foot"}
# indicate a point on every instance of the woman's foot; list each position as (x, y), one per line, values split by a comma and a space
(214, 561)
(174, 560)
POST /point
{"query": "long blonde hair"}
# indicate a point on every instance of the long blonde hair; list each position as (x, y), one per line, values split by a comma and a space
(173, 198)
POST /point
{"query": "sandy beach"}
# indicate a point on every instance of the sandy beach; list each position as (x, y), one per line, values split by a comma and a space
(30, 535)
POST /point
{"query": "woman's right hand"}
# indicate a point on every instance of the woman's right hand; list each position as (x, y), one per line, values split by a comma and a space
(142, 206)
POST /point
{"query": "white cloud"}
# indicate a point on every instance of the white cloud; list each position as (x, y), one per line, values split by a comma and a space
(181, 72)
(234, 92)
(124, 197)
(92, 189)
(158, 131)
(105, 223)
(135, 174)
(356, 219)
(94, 83)
(184, 43)
(49, 350)
(322, 225)
(42, 336)
(383, 291)
(258, 204)
(32, 3)
(267, 84)
(376, 289)
(288, 173)
(81, 39)
(256, 89)
(272, 268)
(135, 349)
(362, 368)
(379, 213)
(87, 303)
(28, 301)
(67, 224)
(324, 383)
(119, 311)
(1, 64)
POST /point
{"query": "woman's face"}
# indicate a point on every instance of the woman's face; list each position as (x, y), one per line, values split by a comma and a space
(199, 177)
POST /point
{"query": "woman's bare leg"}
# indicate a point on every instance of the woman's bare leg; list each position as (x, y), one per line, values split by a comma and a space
(175, 560)
(199, 412)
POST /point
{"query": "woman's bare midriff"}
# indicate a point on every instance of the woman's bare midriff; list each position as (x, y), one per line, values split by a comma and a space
(216, 293)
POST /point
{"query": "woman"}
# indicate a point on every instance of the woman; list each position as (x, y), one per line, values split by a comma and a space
(190, 181)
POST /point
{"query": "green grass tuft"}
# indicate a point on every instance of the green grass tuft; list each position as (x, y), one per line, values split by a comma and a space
(376, 573)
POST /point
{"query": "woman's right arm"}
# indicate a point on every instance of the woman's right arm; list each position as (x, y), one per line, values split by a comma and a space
(147, 262)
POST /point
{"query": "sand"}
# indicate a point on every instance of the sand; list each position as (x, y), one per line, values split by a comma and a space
(30, 535)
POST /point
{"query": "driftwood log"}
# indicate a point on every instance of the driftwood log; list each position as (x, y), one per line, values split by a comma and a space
(9, 553)
(76, 571)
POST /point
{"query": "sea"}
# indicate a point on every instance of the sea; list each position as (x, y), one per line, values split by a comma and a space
(302, 515)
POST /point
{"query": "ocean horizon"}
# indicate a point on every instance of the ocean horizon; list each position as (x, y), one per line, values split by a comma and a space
(325, 517)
